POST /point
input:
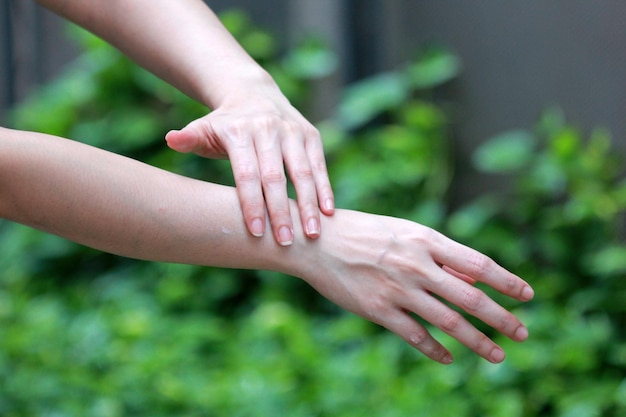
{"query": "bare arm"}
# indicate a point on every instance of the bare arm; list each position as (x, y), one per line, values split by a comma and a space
(381, 268)
(120, 205)
(252, 123)
(181, 41)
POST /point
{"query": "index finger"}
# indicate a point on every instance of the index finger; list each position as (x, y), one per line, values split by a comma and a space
(480, 267)
(248, 183)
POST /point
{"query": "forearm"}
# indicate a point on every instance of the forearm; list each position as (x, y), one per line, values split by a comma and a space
(251, 123)
(119, 205)
(382, 268)
(181, 41)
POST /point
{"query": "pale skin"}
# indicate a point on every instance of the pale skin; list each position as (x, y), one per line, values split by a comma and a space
(381, 268)
(251, 123)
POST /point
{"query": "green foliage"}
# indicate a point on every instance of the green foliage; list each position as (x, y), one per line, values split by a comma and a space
(87, 333)
(560, 225)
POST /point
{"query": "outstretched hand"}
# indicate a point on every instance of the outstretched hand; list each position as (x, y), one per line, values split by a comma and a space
(387, 270)
(261, 138)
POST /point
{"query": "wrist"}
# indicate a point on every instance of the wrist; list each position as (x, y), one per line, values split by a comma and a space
(315, 260)
(239, 86)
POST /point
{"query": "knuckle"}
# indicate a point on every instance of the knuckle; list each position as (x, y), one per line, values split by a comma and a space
(507, 324)
(479, 265)
(472, 299)
(511, 283)
(450, 321)
(417, 337)
(308, 209)
(246, 173)
(234, 131)
(482, 344)
(279, 216)
(240, 133)
(273, 176)
(427, 235)
(267, 124)
(311, 131)
(292, 127)
(375, 309)
(302, 173)
(266, 121)
(252, 208)
(438, 354)
(318, 164)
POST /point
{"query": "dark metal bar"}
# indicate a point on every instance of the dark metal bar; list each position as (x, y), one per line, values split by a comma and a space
(6, 30)
(38, 45)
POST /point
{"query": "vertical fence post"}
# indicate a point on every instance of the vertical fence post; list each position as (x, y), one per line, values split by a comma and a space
(375, 35)
(38, 48)
(7, 96)
(325, 19)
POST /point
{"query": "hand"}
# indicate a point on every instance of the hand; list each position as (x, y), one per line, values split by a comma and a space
(385, 269)
(259, 136)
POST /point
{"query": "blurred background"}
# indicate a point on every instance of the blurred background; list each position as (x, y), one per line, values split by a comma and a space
(498, 123)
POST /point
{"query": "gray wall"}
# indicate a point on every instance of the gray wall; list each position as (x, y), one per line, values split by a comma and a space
(519, 56)
(33, 48)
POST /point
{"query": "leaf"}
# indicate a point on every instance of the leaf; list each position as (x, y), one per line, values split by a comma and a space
(236, 21)
(312, 60)
(566, 144)
(371, 97)
(434, 69)
(551, 121)
(471, 219)
(610, 260)
(259, 44)
(505, 152)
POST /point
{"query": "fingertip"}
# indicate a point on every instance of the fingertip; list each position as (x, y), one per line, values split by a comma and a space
(527, 293)
(328, 207)
(169, 136)
(521, 334)
(496, 355)
(257, 227)
(312, 228)
(284, 236)
(447, 359)
(176, 141)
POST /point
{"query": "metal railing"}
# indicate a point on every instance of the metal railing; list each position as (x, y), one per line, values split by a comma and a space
(7, 70)
(22, 30)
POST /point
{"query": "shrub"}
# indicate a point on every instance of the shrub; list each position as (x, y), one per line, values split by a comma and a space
(87, 333)
(560, 225)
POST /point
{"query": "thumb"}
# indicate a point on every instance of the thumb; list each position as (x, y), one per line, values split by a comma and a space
(185, 140)
(197, 137)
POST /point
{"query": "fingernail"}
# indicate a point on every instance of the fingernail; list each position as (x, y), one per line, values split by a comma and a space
(329, 204)
(447, 360)
(496, 355)
(521, 333)
(256, 227)
(313, 228)
(527, 294)
(285, 236)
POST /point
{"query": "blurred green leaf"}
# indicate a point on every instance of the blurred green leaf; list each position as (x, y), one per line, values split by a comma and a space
(312, 60)
(370, 97)
(236, 21)
(433, 69)
(505, 152)
(260, 44)
(566, 144)
(471, 219)
(609, 260)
